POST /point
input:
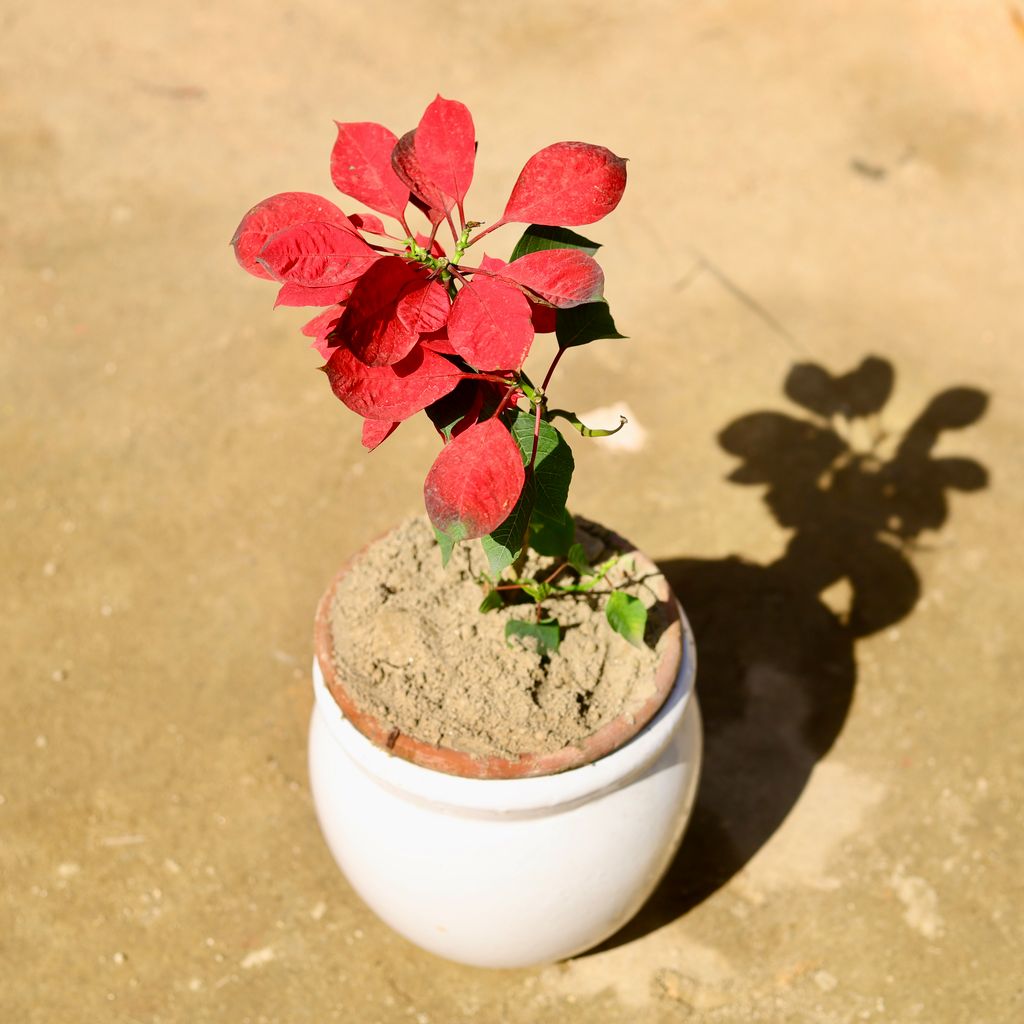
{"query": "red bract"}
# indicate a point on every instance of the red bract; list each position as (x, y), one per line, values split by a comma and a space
(563, 277)
(316, 255)
(425, 194)
(361, 167)
(368, 222)
(284, 210)
(475, 482)
(568, 184)
(320, 327)
(543, 318)
(376, 431)
(446, 146)
(490, 325)
(391, 306)
(300, 295)
(391, 392)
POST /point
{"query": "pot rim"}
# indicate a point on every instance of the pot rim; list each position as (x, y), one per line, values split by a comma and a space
(491, 797)
(678, 664)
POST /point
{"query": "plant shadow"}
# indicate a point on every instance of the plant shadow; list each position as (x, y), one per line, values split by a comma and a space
(776, 663)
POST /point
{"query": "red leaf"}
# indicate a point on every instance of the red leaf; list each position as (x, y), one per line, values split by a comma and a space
(392, 304)
(567, 184)
(391, 393)
(300, 295)
(361, 167)
(563, 277)
(377, 431)
(492, 264)
(446, 146)
(434, 203)
(320, 327)
(317, 255)
(322, 323)
(475, 481)
(544, 318)
(284, 210)
(437, 341)
(368, 222)
(489, 325)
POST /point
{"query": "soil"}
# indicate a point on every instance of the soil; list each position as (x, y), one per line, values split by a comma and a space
(415, 651)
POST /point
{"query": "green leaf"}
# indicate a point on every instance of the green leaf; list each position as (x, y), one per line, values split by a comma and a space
(627, 616)
(552, 536)
(552, 471)
(540, 592)
(546, 633)
(541, 505)
(582, 324)
(446, 544)
(577, 558)
(503, 545)
(492, 602)
(540, 236)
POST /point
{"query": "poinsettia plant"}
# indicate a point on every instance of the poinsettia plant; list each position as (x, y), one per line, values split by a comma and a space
(409, 325)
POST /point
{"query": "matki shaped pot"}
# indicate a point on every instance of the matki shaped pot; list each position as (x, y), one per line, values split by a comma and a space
(507, 862)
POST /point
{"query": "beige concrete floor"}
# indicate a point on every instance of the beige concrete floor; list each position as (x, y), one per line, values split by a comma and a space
(808, 182)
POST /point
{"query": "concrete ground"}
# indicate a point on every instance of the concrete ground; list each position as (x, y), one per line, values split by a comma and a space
(810, 183)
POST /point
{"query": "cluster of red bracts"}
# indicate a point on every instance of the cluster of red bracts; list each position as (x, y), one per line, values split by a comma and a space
(407, 320)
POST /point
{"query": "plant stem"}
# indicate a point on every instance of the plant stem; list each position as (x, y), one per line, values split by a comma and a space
(504, 402)
(486, 231)
(551, 369)
(536, 433)
(493, 377)
(405, 226)
(386, 248)
(558, 572)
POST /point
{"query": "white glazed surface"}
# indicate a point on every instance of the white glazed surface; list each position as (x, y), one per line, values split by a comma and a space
(507, 872)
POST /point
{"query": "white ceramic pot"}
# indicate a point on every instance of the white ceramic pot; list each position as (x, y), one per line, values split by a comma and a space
(507, 872)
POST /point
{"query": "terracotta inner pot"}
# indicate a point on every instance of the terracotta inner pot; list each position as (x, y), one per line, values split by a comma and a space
(609, 737)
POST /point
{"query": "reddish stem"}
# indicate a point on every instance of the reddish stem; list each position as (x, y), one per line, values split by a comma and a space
(486, 231)
(551, 370)
(387, 248)
(558, 572)
(484, 376)
(504, 402)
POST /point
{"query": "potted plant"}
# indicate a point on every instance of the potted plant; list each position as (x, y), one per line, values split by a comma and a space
(505, 743)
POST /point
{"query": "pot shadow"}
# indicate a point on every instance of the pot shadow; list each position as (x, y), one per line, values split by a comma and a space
(776, 663)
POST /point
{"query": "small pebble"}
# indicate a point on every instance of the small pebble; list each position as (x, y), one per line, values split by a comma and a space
(825, 981)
